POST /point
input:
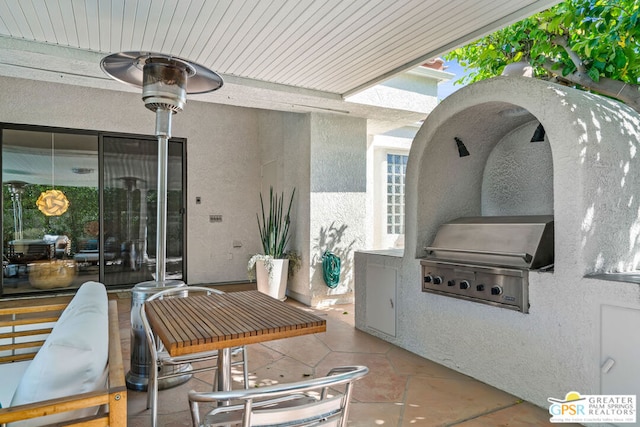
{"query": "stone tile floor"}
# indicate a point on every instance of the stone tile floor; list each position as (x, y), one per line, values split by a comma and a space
(401, 390)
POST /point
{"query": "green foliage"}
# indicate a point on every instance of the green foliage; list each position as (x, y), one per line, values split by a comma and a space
(274, 228)
(604, 33)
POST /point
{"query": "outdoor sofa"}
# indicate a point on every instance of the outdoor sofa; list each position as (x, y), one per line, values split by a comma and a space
(62, 363)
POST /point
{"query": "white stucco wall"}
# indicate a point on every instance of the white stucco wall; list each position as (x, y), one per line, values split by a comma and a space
(415, 90)
(337, 204)
(223, 169)
(222, 155)
(518, 176)
(285, 141)
(558, 346)
(321, 155)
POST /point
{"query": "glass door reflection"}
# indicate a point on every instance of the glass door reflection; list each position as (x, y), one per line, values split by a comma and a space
(130, 200)
(108, 232)
(39, 245)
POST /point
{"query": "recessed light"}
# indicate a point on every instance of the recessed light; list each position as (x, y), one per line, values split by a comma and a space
(82, 171)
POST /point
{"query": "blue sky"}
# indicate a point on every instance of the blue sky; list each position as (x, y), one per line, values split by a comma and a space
(447, 88)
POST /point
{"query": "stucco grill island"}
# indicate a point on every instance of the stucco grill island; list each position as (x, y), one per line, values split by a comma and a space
(584, 174)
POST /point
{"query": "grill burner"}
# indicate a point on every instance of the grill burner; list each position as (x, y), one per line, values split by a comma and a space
(487, 259)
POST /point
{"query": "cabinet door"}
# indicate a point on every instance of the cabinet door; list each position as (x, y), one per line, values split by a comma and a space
(620, 352)
(381, 298)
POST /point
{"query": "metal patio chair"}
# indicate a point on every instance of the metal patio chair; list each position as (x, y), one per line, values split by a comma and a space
(160, 358)
(315, 402)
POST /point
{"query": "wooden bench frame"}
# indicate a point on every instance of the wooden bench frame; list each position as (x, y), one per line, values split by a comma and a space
(112, 398)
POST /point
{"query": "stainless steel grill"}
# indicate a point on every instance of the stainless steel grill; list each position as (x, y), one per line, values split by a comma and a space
(487, 259)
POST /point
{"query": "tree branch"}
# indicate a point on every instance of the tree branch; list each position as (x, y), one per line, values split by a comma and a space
(575, 58)
(625, 92)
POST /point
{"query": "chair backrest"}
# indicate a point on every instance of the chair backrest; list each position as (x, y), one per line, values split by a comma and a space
(174, 292)
(319, 402)
(182, 291)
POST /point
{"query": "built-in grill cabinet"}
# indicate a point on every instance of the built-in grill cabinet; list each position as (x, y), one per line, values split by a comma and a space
(487, 259)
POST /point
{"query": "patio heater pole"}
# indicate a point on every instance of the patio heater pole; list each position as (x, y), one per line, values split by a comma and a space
(163, 132)
(165, 82)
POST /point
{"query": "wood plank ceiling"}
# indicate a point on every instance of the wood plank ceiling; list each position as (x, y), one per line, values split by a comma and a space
(331, 46)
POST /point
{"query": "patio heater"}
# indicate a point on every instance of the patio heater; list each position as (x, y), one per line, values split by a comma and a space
(131, 248)
(165, 81)
(16, 188)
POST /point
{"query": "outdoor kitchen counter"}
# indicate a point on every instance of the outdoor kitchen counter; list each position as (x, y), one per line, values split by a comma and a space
(628, 277)
(398, 253)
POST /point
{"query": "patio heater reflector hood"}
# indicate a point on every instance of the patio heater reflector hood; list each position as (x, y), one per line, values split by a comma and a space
(165, 81)
(129, 68)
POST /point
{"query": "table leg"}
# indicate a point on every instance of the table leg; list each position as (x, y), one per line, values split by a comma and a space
(224, 370)
(223, 376)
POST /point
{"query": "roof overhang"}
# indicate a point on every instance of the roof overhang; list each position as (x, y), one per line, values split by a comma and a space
(288, 55)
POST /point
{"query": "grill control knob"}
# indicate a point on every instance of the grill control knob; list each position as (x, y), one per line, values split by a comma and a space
(464, 284)
(427, 279)
(437, 280)
(496, 290)
(480, 288)
(451, 283)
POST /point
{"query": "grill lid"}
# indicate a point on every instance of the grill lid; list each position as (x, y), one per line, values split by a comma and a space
(509, 241)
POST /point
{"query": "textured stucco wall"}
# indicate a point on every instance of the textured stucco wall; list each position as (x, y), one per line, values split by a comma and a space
(323, 157)
(518, 176)
(226, 149)
(557, 346)
(284, 139)
(337, 202)
(297, 173)
(405, 92)
(222, 155)
(222, 168)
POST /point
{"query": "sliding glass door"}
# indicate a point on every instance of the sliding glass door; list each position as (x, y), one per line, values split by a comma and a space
(130, 203)
(81, 206)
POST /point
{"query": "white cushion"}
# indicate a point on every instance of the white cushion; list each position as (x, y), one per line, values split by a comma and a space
(74, 357)
(11, 373)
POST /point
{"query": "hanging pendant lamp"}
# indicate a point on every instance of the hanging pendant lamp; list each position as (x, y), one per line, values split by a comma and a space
(52, 202)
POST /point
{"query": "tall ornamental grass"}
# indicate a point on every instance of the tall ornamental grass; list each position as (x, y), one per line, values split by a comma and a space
(274, 227)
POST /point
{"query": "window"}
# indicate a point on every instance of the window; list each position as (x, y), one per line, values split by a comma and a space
(396, 171)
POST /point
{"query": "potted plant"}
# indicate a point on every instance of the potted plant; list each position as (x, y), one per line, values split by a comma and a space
(273, 266)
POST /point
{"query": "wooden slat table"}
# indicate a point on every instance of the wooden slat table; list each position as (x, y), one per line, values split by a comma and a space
(221, 321)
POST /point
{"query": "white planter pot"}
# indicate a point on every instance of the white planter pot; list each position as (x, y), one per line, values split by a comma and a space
(274, 285)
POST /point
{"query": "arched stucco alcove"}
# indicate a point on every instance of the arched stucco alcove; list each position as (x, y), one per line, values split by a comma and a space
(595, 169)
(450, 186)
(594, 158)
